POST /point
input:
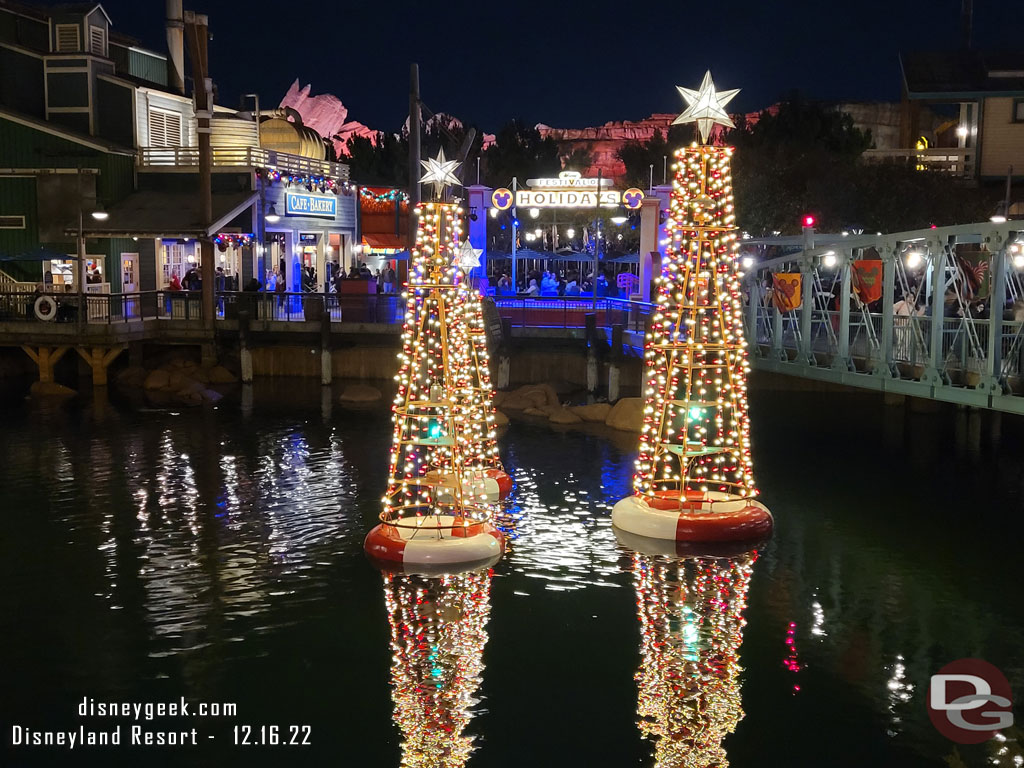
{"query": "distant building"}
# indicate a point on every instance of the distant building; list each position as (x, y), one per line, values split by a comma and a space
(979, 98)
(90, 119)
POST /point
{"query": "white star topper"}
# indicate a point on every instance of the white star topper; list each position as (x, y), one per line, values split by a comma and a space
(439, 172)
(705, 107)
(467, 256)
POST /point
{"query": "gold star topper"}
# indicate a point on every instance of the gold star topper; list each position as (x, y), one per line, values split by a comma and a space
(467, 256)
(439, 172)
(705, 107)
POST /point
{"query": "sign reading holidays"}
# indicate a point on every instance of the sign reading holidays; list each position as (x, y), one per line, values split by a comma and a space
(569, 190)
(297, 204)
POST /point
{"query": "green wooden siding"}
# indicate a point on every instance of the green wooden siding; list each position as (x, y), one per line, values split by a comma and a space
(18, 198)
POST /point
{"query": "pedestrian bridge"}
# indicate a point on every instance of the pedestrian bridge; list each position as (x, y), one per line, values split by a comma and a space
(833, 308)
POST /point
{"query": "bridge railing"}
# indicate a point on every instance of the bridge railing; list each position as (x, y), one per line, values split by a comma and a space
(571, 312)
(935, 312)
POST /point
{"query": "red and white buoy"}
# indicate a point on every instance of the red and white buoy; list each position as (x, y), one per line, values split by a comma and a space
(436, 542)
(698, 517)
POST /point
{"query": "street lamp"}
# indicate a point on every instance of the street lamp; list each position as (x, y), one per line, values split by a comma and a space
(620, 216)
(99, 213)
(272, 216)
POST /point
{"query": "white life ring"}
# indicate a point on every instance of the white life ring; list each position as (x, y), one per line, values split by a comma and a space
(45, 308)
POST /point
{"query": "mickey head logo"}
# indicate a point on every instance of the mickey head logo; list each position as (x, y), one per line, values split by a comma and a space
(501, 198)
(632, 198)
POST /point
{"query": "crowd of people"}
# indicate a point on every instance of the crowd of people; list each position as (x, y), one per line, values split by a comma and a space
(545, 283)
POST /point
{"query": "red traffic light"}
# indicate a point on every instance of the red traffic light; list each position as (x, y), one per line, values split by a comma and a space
(809, 220)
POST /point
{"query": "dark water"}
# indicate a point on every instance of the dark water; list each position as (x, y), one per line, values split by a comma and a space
(216, 555)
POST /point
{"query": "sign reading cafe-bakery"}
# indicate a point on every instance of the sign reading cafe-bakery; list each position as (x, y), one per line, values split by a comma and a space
(569, 190)
(297, 204)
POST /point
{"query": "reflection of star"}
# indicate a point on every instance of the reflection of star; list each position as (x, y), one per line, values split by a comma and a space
(705, 107)
(439, 172)
(467, 256)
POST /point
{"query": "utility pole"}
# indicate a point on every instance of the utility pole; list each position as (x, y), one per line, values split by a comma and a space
(515, 233)
(414, 151)
(597, 239)
(197, 35)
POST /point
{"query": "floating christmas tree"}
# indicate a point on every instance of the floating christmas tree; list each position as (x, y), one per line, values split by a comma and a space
(694, 479)
(438, 632)
(436, 510)
(691, 627)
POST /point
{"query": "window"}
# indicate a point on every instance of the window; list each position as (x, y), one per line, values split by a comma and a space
(1018, 111)
(12, 222)
(164, 128)
(68, 40)
(98, 41)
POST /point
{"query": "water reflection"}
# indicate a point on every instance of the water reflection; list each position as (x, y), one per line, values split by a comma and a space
(438, 632)
(691, 627)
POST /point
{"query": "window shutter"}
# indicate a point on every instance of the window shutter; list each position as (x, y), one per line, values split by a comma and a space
(98, 41)
(164, 128)
(67, 38)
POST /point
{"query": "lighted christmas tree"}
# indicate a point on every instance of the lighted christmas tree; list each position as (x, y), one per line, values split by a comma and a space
(695, 442)
(438, 416)
(438, 632)
(691, 628)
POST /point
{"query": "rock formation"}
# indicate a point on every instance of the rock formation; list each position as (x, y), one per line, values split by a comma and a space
(326, 115)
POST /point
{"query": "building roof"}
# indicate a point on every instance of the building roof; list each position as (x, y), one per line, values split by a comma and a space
(56, 129)
(167, 214)
(960, 73)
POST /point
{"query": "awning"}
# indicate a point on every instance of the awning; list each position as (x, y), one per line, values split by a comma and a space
(165, 214)
(384, 243)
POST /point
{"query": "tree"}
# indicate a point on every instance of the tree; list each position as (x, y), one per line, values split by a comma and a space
(806, 157)
(520, 151)
(639, 156)
(579, 160)
(384, 162)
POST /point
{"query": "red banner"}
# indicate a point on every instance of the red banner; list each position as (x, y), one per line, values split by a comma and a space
(867, 280)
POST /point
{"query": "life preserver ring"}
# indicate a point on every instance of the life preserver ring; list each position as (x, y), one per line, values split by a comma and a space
(45, 308)
(442, 541)
(698, 517)
(487, 486)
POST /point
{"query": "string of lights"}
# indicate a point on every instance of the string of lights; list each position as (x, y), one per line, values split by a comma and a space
(691, 628)
(438, 633)
(695, 434)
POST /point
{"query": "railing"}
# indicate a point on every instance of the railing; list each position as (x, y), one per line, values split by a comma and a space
(563, 312)
(953, 160)
(63, 307)
(242, 157)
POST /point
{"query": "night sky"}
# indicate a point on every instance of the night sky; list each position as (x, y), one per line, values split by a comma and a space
(568, 63)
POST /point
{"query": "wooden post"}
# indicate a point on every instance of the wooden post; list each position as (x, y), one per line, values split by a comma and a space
(45, 358)
(99, 359)
(197, 35)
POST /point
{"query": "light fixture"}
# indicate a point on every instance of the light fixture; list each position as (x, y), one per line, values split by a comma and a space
(914, 259)
(809, 220)
(961, 131)
(494, 213)
(534, 213)
(620, 216)
(997, 219)
(829, 259)
(570, 232)
(99, 213)
(537, 232)
(748, 262)
(1018, 261)
(272, 215)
